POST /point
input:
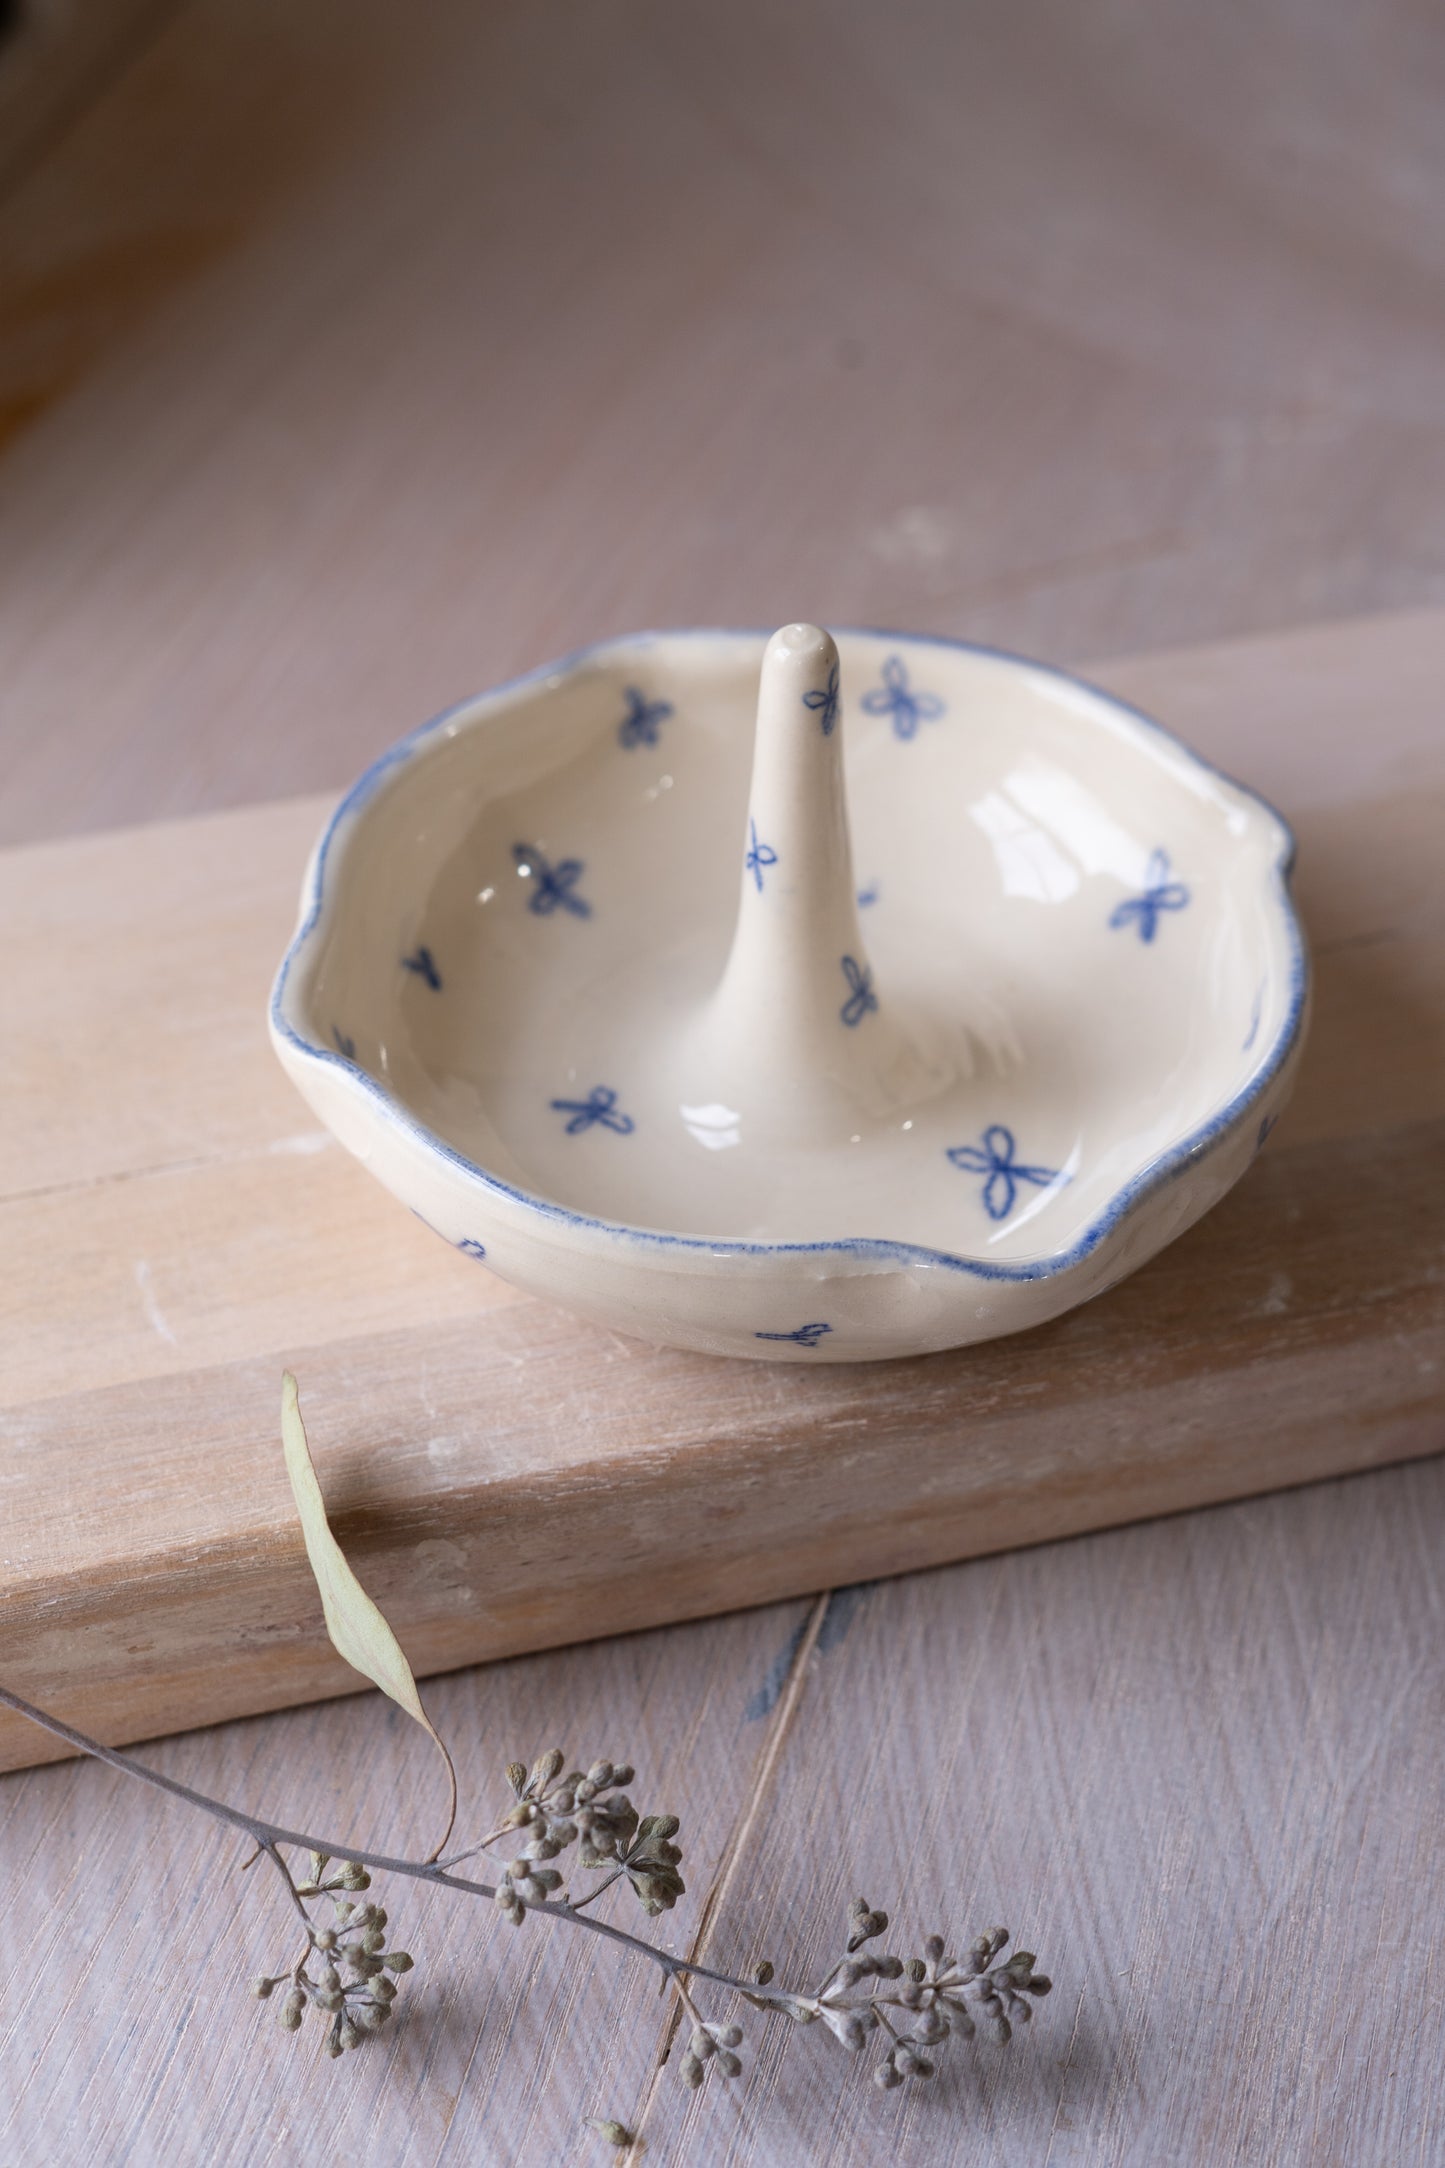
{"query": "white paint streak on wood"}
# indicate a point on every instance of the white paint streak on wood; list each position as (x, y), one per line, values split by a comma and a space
(145, 1281)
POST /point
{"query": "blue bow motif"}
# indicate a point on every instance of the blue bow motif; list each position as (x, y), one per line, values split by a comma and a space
(554, 885)
(806, 1335)
(993, 1157)
(760, 855)
(598, 1108)
(639, 725)
(1159, 894)
(862, 997)
(896, 697)
(824, 703)
(423, 963)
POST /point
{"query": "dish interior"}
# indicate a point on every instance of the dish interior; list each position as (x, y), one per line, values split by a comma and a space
(527, 907)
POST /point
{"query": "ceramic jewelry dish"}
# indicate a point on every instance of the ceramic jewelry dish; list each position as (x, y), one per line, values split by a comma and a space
(797, 1000)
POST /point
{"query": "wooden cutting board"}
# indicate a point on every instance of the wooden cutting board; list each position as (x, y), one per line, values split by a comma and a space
(175, 1229)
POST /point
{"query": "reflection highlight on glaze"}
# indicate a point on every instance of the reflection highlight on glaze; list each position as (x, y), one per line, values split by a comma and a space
(714, 1127)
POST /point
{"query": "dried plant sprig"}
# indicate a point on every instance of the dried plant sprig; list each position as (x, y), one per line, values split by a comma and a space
(346, 1973)
(917, 2002)
(922, 2001)
(355, 1984)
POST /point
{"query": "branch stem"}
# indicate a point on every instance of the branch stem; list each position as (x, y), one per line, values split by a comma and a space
(597, 1889)
(291, 1890)
(268, 1835)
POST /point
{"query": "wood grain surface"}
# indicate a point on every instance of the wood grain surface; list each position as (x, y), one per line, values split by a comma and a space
(360, 364)
(352, 356)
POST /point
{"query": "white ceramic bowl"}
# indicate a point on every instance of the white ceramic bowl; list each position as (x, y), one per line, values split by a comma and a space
(514, 918)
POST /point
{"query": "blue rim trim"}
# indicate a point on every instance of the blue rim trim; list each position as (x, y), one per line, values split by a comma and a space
(1153, 1177)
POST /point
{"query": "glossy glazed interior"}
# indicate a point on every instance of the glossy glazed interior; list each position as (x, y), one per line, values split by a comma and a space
(1081, 924)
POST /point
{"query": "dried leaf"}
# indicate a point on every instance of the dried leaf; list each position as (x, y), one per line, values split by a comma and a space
(357, 1628)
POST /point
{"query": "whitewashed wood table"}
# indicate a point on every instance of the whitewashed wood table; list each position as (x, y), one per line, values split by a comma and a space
(349, 363)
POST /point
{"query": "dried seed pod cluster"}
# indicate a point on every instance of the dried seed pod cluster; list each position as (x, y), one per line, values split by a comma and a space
(710, 2048)
(591, 1809)
(917, 2002)
(920, 2002)
(353, 1986)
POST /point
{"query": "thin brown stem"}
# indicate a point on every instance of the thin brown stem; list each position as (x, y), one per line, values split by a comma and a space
(291, 1890)
(270, 1834)
(615, 1876)
(454, 1859)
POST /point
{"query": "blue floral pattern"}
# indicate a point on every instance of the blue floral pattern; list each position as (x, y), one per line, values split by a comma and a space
(553, 886)
(471, 1248)
(896, 698)
(824, 702)
(597, 1110)
(1159, 893)
(861, 998)
(993, 1158)
(639, 726)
